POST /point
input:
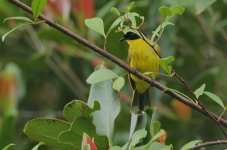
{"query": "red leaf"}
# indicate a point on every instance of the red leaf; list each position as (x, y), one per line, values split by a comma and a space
(92, 144)
(88, 141)
(162, 138)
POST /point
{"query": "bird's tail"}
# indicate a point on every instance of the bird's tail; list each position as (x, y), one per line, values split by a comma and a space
(140, 102)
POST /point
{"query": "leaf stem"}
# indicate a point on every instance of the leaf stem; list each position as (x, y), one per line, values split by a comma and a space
(118, 62)
(210, 143)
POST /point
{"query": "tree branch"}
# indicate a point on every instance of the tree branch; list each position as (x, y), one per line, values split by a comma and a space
(211, 143)
(117, 61)
(216, 120)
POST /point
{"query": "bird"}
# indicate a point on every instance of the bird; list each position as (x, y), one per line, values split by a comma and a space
(143, 56)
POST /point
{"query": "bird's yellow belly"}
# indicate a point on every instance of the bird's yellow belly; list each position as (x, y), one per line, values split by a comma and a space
(145, 61)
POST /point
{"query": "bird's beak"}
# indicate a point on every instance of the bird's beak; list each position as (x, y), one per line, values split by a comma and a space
(122, 39)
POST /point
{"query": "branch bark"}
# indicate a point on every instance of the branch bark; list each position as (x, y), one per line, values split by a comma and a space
(211, 143)
(117, 61)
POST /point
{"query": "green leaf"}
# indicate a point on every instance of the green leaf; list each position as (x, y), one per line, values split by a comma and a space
(8, 126)
(77, 108)
(133, 123)
(104, 11)
(115, 11)
(36, 147)
(137, 137)
(164, 62)
(131, 5)
(215, 98)
(151, 145)
(118, 84)
(165, 11)
(198, 92)
(15, 28)
(190, 145)
(96, 24)
(155, 127)
(132, 17)
(159, 28)
(158, 135)
(18, 18)
(110, 107)
(154, 146)
(101, 75)
(47, 131)
(114, 24)
(9, 147)
(87, 147)
(201, 5)
(37, 7)
(176, 91)
(177, 10)
(78, 128)
(115, 148)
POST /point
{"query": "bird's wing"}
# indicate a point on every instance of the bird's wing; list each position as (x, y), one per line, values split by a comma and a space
(155, 46)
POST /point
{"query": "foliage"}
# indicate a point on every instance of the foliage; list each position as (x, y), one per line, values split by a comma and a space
(55, 70)
(37, 7)
(66, 135)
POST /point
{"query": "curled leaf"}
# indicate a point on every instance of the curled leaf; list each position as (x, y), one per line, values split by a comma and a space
(115, 11)
(101, 75)
(15, 28)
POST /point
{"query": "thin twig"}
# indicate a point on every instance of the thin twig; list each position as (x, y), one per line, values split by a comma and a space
(117, 61)
(216, 120)
(208, 33)
(69, 74)
(217, 23)
(221, 115)
(55, 68)
(213, 118)
(186, 85)
(152, 46)
(210, 143)
(55, 63)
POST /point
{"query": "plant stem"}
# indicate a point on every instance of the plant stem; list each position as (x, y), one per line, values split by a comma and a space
(118, 61)
(210, 143)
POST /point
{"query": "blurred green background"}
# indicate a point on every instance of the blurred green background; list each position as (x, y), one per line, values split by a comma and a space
(43, 69)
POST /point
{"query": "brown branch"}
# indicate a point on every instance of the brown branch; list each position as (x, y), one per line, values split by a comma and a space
(70, 79)
(117, 61)
(216, 120)
(187, 86)
(211, 143)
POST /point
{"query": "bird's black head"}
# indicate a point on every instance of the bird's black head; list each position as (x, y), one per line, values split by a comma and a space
(130, 36)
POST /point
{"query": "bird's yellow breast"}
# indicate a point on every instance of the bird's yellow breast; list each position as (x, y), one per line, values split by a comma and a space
(143, 58)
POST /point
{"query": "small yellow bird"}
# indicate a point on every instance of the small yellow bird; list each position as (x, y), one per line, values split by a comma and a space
(143, 57)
